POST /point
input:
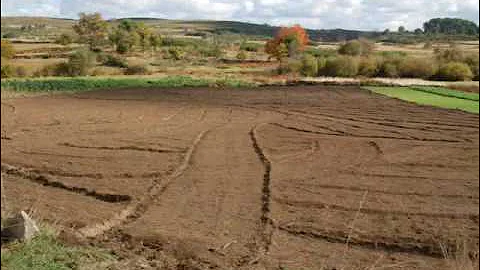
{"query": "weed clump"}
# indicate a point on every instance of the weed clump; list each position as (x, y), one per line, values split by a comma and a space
(137, 70)
(454, 71)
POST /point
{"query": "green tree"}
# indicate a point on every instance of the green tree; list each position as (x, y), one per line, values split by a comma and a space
(125, 37)
(91, 29)
(144, 34)
(451, 26)
(155, 41)
(402, 29)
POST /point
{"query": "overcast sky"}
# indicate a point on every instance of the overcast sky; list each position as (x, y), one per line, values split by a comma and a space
(326, 14)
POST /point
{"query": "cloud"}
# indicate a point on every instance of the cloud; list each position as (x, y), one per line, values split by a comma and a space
(327, 14)
(30, 8)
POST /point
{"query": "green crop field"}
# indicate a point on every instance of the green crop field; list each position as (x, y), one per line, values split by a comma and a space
(447, 92)
(65, 84)
(425, 98)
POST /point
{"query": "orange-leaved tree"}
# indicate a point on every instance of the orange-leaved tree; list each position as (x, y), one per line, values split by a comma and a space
(287, 43)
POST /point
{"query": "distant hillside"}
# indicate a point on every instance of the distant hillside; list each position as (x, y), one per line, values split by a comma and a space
(49, 27)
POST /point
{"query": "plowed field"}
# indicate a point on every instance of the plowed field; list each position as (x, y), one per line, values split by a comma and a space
(304, 177)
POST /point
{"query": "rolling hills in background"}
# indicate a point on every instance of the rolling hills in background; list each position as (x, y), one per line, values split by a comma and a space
(47, 27)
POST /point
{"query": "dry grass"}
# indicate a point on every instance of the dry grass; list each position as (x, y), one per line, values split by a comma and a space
(464, 258)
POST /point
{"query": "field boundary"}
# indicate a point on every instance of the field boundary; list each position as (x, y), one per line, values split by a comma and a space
(45, 181)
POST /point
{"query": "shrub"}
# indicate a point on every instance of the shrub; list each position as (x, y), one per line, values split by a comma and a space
(137, 70)
(452, 54)
(7, 49)
(64, 39)
(10, 35)
(472, 60)
(21, 72)
(412, 67)
(321, 64)
(309, 66)
(49, 70)
(241, 56)
(114, 61)
(79, 63)
(351, 48)
(321, 52)
(60, 69)
(7, 71)
(250, 46)
(454, 71)
(342, 66)
(388, 70)
(289, 66)
(122, 48)
(368, 67)
(356, 47)
(208, 51)
(176, 53)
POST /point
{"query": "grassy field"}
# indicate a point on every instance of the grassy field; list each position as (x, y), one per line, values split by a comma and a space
(45, 252)
(65, 84)
(433, 99)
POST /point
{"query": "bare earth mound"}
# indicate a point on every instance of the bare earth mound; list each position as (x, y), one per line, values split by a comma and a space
(274, 178)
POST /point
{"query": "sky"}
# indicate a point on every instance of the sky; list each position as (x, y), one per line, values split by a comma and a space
(315, 14)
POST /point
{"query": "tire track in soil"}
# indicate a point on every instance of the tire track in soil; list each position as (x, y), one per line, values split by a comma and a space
(388, 244)
(356, 120)
(321, 205)
(398, 176)
(60, 155)
(46, 182)
(171, 116)
(314, 146)
(345, 134)
(133, 212)
(335, 187)
(370, 121)
(266, 192)
(132, 148)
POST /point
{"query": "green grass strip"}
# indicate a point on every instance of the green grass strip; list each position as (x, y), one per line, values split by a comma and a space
(66, 84)
(45, 252)
(424, 98)
(441, 91)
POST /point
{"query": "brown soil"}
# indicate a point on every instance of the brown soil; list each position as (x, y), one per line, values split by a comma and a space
(273, 178)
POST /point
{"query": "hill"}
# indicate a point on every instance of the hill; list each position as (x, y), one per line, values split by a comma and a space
(49, 27)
